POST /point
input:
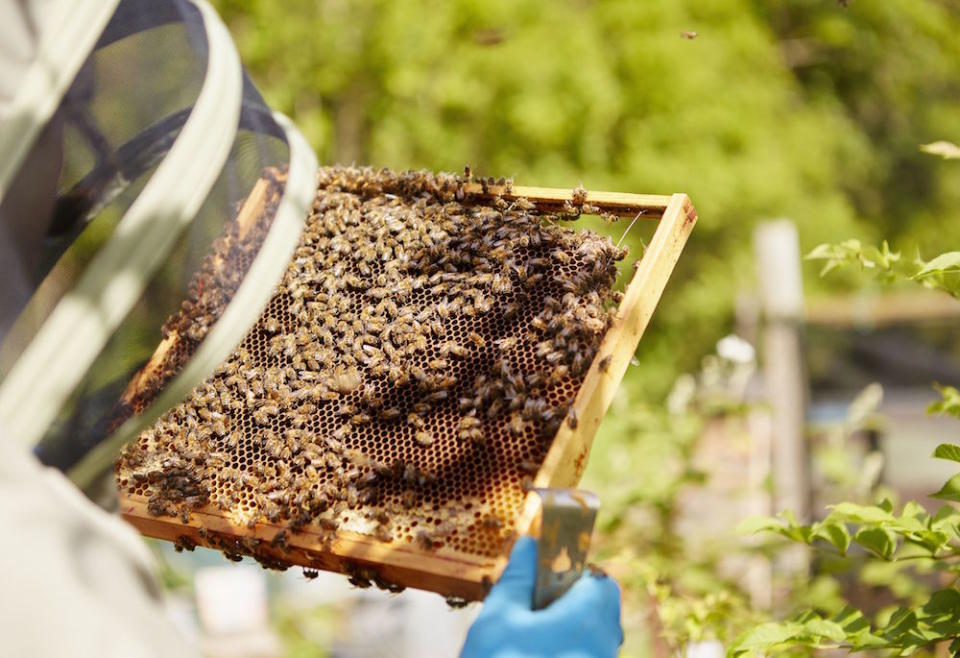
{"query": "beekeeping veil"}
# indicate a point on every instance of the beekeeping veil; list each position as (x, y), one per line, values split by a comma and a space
(132, 145)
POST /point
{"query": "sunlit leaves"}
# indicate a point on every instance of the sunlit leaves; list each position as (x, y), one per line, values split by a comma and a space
(946, 150)
(950, 490)
(940, 273)
(879, 540)
(905, 630)
(949, 402)
(947, 451)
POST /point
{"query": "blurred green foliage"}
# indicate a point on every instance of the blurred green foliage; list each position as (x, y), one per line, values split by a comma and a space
(804, 109)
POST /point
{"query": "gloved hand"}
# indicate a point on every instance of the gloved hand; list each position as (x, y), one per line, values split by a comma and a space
(583, 623)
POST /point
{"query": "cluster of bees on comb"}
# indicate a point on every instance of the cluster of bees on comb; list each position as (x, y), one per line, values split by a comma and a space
(405, 380)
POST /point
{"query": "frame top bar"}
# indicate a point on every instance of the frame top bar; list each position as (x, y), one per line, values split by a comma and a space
(552, 198)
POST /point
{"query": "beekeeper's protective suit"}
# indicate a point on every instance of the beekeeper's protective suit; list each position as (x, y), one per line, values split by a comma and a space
(128, 133)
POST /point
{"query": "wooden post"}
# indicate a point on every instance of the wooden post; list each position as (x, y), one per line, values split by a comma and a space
(781, 299)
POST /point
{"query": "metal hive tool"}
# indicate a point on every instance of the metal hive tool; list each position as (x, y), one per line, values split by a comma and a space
(401, 490)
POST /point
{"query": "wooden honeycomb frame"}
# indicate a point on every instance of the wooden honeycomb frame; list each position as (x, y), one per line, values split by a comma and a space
(445, 570)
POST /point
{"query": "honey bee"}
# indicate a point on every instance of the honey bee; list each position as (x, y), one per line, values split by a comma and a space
(476, 339)
(491, 522)
(390, 414)
(454, 349)
(507, 343)
(437, 396)
(423, 438)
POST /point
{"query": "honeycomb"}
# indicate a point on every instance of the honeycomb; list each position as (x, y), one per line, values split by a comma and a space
(407, 377)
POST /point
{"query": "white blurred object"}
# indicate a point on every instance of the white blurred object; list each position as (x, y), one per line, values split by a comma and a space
(231, 599)
(432, 628)
(705, 649)
(682, 394)
(735, 349)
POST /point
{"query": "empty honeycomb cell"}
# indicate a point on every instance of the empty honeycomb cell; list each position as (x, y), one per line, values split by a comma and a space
(399, 300)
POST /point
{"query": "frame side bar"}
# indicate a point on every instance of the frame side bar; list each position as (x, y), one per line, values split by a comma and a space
(567, 457)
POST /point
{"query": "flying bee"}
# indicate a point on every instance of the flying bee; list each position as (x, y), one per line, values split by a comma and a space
(572, 419)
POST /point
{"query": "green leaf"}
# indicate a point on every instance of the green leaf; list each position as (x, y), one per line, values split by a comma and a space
(948, 262)
(822, 252)
(949, 402)
(879, 540)
(945, 600)
(824, 628)
(765, 636)
(855, 513)
(857, 629)
(946, 515)
(914, 510)
(950, 490)
(903, 620)
(947, 451)
(754, 524)
(835, 533)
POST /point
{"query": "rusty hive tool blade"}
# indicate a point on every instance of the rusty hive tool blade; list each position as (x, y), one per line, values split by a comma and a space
(566, 524)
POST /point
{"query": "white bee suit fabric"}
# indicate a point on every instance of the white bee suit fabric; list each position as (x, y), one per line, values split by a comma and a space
(77, 581)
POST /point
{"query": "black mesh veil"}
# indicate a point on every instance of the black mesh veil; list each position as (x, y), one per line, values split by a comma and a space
(162, 197)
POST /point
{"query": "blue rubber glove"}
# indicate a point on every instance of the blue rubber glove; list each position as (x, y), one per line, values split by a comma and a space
(583, 623)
